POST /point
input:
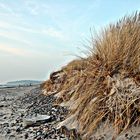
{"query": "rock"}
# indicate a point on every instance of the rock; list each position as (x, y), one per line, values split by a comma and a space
(6, 125)
(45, 135)
(18, 120)
(4, 99)
(8, 131)
(1, 114)
(21, 115)
(62, 136)
(38, 138)
(26, 135)
(38, 133)
(12, 137)
(4, 104)
(12, 114)
(1, 105)
(4, 117)
(18, 129)
(21, 125)
(36, 120)
(12, 124)
(54, 109)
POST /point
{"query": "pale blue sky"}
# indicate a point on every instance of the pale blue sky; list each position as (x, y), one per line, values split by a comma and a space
(38, 36)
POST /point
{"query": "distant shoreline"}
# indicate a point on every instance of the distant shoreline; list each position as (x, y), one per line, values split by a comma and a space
(5, 86)
(21, 83)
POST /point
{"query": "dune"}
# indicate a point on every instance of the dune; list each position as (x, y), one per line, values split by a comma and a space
(102, 91)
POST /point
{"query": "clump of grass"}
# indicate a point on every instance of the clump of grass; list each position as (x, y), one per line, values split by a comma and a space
(105, 86)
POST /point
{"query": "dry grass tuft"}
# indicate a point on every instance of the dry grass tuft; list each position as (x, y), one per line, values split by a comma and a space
(104, 87)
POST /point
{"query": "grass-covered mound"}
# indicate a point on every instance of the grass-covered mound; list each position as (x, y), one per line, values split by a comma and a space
(104, 87)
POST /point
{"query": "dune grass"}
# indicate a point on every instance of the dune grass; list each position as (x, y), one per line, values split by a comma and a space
(105, 86)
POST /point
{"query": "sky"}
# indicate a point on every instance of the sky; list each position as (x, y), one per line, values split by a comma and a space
(38, 37)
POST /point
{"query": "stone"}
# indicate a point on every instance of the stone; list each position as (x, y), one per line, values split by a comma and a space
(4, 104)
(1, 114)
(36, 120)
(39, 132)
(8, 131)
(18, 129)
(26, 135)
(1, 105)
(11, 136)
(38, 138)
(12, 124)
(4, 117)
(6, 125)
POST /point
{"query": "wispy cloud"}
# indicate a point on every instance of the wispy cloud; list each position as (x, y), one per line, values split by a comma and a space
(13, 51)
(32, 7)
(20, 30)
(54, 33)
(14, 36)
(35, 7)
(22, 52)
(7, 10)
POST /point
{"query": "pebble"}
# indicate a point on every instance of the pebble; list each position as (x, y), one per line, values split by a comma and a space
(8, 131)
(11, 137)
(6, 125)
(4, 117)
(18, 129)
(36, 120)
(26, 135)
(12, 124)
(1, 105)
(38, 133)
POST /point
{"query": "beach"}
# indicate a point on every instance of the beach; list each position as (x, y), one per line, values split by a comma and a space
(25, 113)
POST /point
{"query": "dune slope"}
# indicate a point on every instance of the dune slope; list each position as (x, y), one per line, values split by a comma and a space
(103, 88)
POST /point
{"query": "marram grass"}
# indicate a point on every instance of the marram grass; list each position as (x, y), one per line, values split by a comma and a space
(105, 86)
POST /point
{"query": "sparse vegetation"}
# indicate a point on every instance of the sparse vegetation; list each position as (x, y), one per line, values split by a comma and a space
(105, 86)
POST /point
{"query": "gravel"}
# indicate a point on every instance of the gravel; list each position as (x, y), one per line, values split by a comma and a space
(28, 103)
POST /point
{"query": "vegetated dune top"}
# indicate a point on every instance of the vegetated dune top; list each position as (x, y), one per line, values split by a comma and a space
(103, 88)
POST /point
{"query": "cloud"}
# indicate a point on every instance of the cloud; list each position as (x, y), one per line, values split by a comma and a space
(16, 27)
(26, 53)
(19, 32)
(7, 10)
(16, 37)
(34, 7)
(13, 51)
(54, 33)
